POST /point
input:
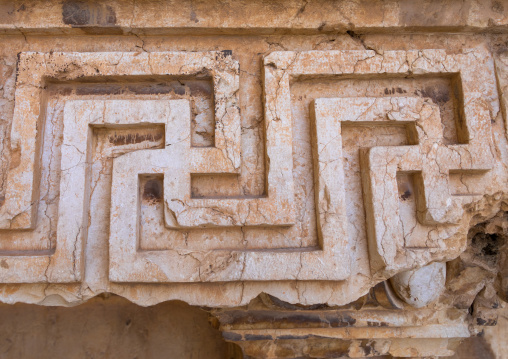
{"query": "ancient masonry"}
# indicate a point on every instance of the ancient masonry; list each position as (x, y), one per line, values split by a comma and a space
(329, 178)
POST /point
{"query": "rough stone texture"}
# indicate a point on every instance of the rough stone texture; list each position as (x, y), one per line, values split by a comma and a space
(496, 335)
(422, 286)
(315, 160)
(109, 328)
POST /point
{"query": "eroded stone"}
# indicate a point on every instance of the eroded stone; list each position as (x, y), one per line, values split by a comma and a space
(292, 166)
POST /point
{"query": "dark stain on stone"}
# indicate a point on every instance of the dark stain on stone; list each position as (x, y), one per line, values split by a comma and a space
(76, 13)
(405, 196)
(152, 89)
(487, 244)
(257, 337)
(439, 95)
(87, 13)
(18, 57)
(62, 91)
(227, 53)
(193, 16)
(483, 322)
(204, 88)
(340, 321)
(224, 54)
(101, 30)
(180, 90)
(119, 140)
(292, 337)
(394, 90)
(178, 87)
(367, 350)
(231, 336)
(302, 318)
(376, 324)
(110, 16)
(152, 190)
(353, 35)
(99, 90)
(497, 7)
(4, 264)
(253, 316)
(284, 319)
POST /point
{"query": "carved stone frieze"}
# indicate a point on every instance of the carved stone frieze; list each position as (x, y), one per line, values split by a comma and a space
(320, 196)
(177, 236)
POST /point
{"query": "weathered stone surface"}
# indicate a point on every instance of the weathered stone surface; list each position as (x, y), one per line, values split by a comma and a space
(315, 16)
(435, 219)
(303, 152)
(269, 330)
(420, 287)
(108, 327)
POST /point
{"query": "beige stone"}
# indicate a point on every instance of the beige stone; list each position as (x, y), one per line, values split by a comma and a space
(422, 286)
(329, 177)
(438, 213)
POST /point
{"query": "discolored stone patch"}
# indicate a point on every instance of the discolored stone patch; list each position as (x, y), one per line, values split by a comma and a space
(87, 13)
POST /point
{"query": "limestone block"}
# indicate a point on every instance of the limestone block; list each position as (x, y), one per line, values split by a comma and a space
(282, 333)
(123, 17)
(434, 206)
(325, 178)
(104, 191)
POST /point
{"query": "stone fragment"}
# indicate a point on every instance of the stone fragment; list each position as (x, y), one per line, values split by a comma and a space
(420, 287)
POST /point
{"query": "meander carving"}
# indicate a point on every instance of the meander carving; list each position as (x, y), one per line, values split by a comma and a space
(326, 230)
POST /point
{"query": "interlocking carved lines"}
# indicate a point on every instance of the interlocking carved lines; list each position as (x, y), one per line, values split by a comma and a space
(427, 158)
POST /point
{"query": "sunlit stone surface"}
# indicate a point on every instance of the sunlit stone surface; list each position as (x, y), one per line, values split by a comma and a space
(324, 182)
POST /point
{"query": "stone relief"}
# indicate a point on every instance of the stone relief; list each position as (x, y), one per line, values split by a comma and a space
(400, 235)
(360, 200)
